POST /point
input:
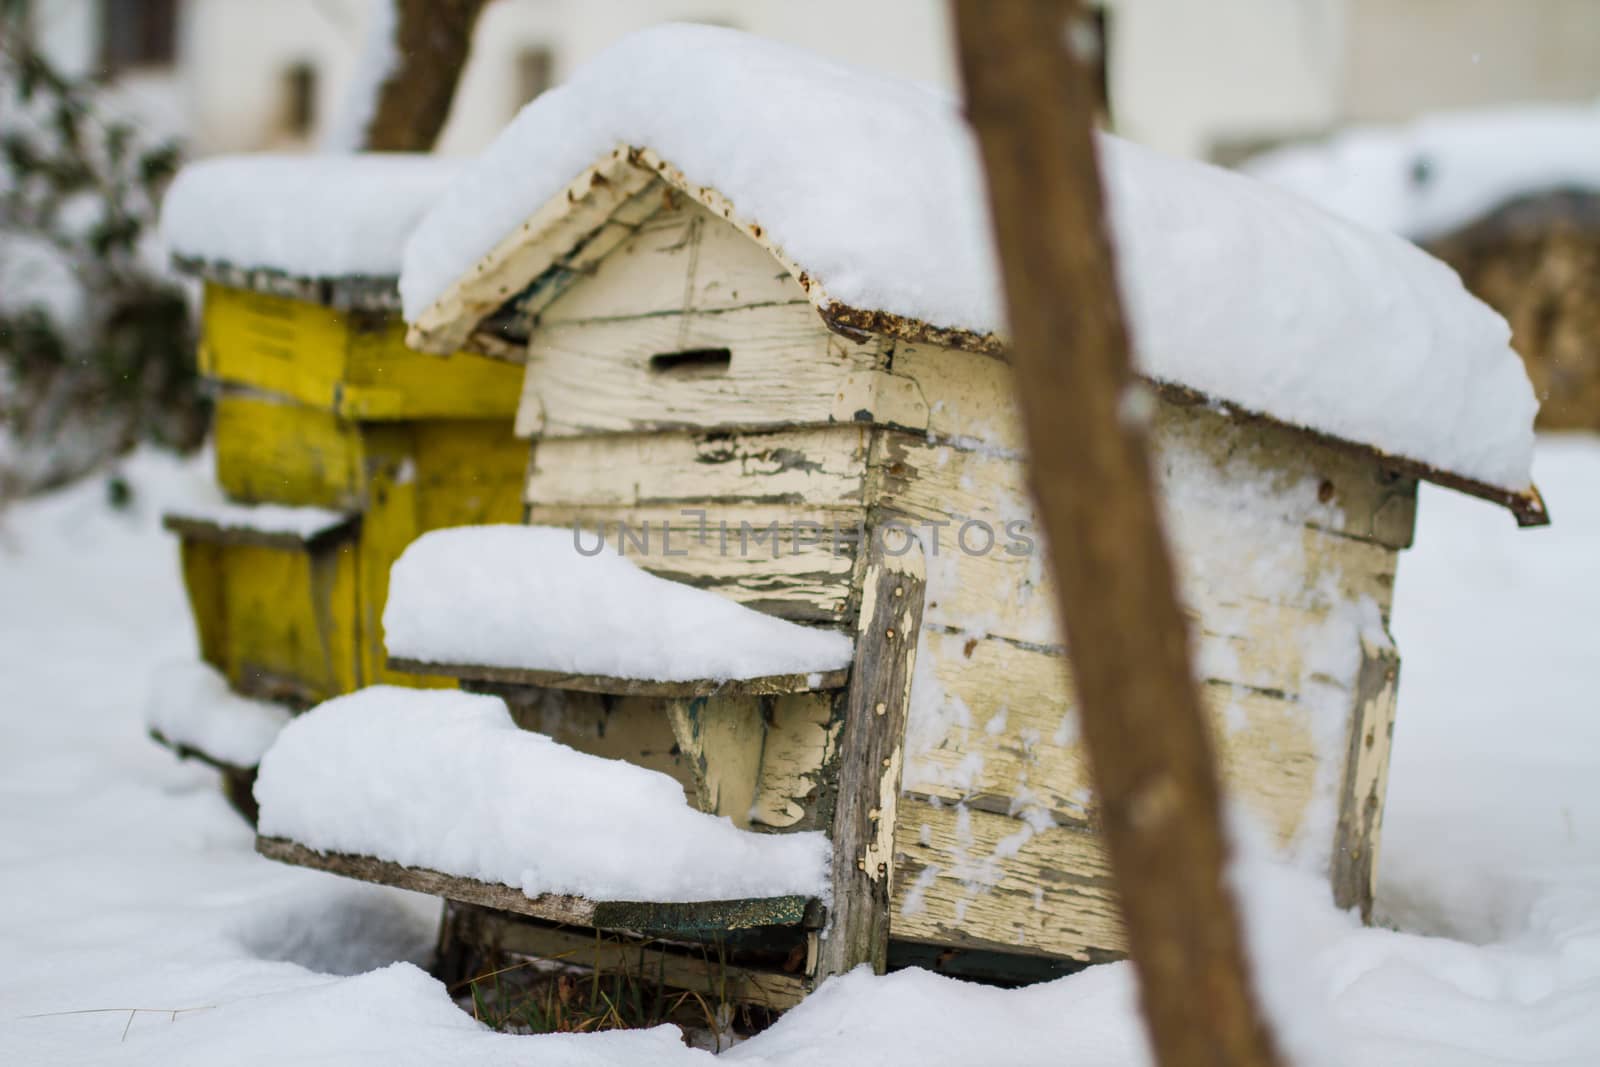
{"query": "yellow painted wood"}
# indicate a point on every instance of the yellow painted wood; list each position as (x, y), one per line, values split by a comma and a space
(355, 364)
(424, 476)
(280, 623)
(272, 450)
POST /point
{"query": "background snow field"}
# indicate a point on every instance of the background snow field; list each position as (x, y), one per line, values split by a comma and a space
(128, 883)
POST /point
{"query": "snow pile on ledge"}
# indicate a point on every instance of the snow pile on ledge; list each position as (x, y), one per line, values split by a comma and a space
(445, 780)
(306, 216)
(305, 523)
(1442, 171)
(525, 597)
(875, 187)
(190, 704)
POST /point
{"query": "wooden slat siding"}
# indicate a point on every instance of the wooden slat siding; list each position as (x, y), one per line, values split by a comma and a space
(871, 749)
(697, 918)
(1366, 778)
(280, 623)
(353, 363)
(1036, 760)
(969, 399)
(1051, 894)
(683, 258)
(814, 467)
(678, 969)
(1233, 569)
(238, 783)
(804, 580)
(274, 451)
(593, 683)
(785, 369)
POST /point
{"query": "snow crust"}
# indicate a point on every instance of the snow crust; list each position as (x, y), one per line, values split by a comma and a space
(446, 780)
(1445, 170)
(325, 216)
(875, 187)
(190, 704)
(533, 597)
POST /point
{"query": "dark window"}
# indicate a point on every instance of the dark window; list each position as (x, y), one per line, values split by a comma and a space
(138, 33)
(535, 68)
(300, 99)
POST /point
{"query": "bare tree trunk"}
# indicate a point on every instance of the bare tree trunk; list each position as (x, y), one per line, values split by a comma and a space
(433, 38)
(1025, 64)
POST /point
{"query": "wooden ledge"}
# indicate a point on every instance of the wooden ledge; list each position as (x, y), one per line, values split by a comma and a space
(697, 919)
(771, 685)
(215, 531)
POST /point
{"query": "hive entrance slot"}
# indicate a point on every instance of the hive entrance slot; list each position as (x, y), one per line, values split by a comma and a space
(692, 363)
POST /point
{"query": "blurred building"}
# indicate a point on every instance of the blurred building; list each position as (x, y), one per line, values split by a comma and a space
(1215, 79)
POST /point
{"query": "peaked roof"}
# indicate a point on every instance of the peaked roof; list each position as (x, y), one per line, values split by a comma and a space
(868, 190)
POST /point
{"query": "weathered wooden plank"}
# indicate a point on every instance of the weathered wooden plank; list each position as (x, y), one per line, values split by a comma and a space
(871, 749)
(273, 450)
(721, 738)
(679, 969)
(971, 406)
(1255, 584)
(814, 467)
(556, 229)
(354, 363)
(683, 258)
(593, 683)
(1366, 778)
(783, 368)
(777, 559)
(975, 879)
(802, 739)
(281, 623)
(659, 918)
(1009, 739)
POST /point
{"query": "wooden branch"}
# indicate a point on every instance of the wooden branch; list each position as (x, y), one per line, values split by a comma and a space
(1024, 64)
(770, 685)
(870, 761)
(686, 919)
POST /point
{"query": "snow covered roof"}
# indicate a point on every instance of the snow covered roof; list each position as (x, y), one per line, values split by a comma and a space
(1443, 171)
(256, 220)
(870, 191)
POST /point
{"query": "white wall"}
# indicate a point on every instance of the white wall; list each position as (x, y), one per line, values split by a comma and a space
(1186, 74)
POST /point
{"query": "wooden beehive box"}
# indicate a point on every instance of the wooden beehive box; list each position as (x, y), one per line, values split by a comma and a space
(320, 404)
(694, 397)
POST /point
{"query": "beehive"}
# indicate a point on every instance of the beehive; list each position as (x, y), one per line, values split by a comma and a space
(323, 406)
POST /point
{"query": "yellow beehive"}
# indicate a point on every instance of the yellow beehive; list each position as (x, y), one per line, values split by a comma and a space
(323, 406)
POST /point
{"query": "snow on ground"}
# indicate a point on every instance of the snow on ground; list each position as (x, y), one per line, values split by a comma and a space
(558, 599)
(1442, 171)
(446, 780)
(873, 186)
(190, 704)
(127, 882)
